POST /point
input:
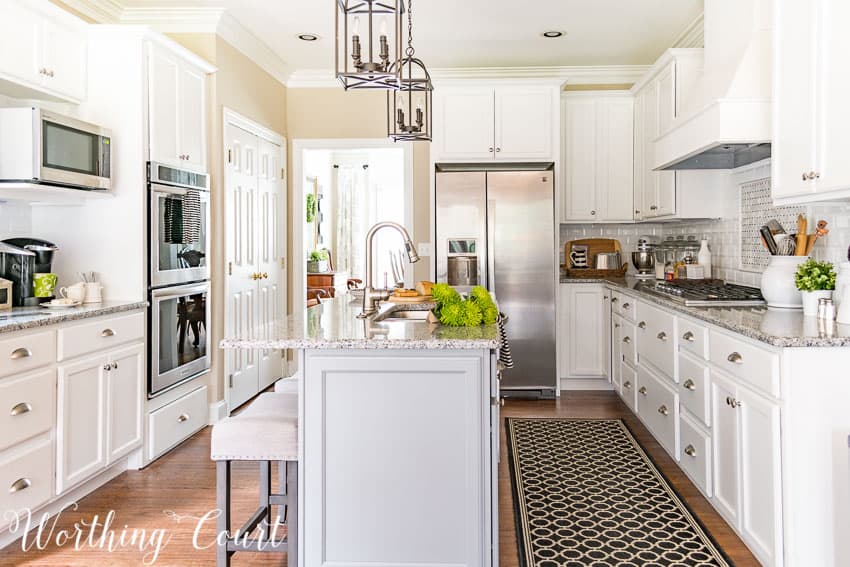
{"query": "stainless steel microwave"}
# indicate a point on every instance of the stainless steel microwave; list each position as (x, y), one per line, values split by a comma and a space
(39, 146)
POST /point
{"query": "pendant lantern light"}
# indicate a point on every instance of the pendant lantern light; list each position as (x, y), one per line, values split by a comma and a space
(409, 109)
(368, 43)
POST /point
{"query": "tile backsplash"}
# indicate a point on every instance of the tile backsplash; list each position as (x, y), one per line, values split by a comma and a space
(15, 219)
(737, 254)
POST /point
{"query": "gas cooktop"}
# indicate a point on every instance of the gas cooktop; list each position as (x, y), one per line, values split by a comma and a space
(706, 293)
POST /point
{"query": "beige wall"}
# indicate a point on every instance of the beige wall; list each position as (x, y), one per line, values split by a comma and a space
(335, 113)
(240, 85)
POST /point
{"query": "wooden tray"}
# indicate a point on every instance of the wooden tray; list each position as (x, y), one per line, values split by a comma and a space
(594, 247)
(417, 299)
(591, 273)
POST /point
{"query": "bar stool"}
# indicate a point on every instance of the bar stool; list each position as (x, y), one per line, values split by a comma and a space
(287, 385)
(265, 431)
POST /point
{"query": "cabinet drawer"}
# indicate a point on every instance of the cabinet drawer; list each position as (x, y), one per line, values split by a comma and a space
(178, 420)
(694, 387)
(629, 388)
(758, 367)
(693, 338)
(624, 305)
(100, 334)
(26, 482)
(27, 406)
(25, 352)
(628, 342)
(657, 340)
(658, 407)
(695, 454)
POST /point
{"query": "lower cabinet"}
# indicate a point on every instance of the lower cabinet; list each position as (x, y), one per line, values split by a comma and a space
(99, 413)
(584, 344)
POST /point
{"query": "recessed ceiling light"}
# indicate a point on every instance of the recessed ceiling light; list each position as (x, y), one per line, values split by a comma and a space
(553, 34)
(308, 37)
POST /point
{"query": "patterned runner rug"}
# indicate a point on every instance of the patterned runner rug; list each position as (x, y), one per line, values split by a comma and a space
(586, 494)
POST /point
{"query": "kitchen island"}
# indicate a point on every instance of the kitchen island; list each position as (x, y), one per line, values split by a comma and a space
(399, 436)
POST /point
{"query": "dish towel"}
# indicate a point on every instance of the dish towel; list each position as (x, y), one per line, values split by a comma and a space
(505, 358)
(172, 222)
(191, 232)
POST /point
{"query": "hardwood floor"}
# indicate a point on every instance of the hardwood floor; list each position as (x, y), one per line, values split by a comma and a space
(183, 482)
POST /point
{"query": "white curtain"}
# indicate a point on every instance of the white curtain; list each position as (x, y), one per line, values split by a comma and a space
(352, 219)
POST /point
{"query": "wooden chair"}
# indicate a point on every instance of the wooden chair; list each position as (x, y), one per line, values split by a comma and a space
(316, 295)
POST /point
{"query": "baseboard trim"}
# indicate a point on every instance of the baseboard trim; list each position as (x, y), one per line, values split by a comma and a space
(218, 411)
(585, 384)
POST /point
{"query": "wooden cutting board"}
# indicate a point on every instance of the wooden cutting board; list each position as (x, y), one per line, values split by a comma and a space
(417, 299)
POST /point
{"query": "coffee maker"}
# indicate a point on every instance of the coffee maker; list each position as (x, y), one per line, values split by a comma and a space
(20, 260)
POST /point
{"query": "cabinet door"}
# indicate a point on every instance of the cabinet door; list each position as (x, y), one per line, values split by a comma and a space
(725, 448)
(615, 159)
(524, 123)
(638, 170)
(586, 332)
(616, 351)
(464, 125)
(64, 57)
(580, 162)
(666, 97)
(125, 391)
(833, 82)
(20, 30)
(81, 427)
(650, 133)
(163, 86)
(192, 119)
(761, 484)
(795, 82)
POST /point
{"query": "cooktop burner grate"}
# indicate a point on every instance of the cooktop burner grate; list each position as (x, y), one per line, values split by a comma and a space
(708, 293)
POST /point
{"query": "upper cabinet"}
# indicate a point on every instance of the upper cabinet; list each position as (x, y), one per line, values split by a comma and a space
(42, 52)
(597, 145)
(810, 111)
(495, 122)
(176, 110)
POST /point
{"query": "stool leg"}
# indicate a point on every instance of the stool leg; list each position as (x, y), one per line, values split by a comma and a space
(292, 513)
(222, 490)
(265, 490)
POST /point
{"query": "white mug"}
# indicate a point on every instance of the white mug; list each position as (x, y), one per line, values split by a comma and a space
(93, 293)
(75, 293)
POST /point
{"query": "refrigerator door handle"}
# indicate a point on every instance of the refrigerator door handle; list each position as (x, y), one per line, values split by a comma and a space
(491, 245)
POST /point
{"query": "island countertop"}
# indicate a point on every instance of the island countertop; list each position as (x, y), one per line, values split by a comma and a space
(334, 325)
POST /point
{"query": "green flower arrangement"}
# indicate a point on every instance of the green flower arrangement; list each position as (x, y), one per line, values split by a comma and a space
(454, 311)
(812, 275)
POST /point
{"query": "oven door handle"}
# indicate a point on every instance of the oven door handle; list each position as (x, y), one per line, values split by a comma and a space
(157, 188)
(179, 291)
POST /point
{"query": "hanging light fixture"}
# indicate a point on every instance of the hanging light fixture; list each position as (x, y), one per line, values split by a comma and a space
(367, 61)
(409, 108)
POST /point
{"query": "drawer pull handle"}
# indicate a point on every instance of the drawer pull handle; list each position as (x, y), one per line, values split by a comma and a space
(114, 366)
(689, 385)
(20, 484)
(663, 410)
(689, 336)
(662, 336)
(735, 358)
(616, 325)
(734, 403)
(627, 340)
(20, 409)
(20, 353)
(107, 333)
(107, 367)
(627, 385)
(642, 325)
(614, 300)
(642, 391)
(627, 305)
(183, 417)
(690, 451)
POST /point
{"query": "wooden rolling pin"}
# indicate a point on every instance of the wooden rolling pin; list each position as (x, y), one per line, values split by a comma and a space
(802, 238)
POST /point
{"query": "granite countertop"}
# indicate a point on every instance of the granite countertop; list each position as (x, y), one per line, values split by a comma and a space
(334, 325)
(776, 327)
(22, 318)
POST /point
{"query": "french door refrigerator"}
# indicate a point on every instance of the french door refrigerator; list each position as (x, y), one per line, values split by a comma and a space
(495, 227)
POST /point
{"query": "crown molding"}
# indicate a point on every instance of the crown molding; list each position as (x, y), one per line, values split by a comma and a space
(693, 35)
(98, 11)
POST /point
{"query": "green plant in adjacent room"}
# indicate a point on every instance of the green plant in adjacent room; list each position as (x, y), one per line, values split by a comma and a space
(318, 255)
(311, 207)
(812, 275)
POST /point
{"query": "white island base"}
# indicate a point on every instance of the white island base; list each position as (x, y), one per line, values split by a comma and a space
(399, 453)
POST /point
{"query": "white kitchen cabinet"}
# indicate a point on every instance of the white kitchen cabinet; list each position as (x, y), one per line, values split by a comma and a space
(176, 110)
(494, 122)
(125, 382)
(810, 110)
(584, 308)
(598, 179)
(42, 52)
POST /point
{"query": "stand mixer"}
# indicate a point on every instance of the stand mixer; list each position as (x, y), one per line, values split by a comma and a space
(643, 259)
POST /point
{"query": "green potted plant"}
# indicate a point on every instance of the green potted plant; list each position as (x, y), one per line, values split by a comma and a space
(317, 261)
(815, 280)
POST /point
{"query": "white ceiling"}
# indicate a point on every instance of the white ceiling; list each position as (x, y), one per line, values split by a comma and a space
(476, 33)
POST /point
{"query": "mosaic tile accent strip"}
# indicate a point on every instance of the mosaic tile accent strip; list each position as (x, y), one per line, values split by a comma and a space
(756, 209)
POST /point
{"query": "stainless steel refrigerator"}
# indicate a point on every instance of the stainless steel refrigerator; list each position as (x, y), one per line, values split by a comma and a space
(495, 227)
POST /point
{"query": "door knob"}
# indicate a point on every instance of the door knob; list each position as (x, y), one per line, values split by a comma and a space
(663, 410)
(689, 385)
(690, 451)
(642, 391)
(642, 325)
(662, 336)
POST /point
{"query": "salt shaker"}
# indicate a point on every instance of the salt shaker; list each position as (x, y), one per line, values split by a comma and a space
(826, 309)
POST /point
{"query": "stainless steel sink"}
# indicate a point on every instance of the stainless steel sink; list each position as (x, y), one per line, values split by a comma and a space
(402, 315)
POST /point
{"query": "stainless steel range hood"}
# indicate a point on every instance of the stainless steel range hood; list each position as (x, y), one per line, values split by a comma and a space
(726, 121)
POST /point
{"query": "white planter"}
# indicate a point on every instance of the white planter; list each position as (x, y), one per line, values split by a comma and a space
(810, 300)
(777, 282)
(317, 267)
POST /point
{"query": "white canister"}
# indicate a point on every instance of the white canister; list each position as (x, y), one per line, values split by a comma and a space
(93, 293)
(777, 282)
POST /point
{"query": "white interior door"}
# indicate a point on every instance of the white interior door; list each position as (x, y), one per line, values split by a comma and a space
(241, 190)
(271, 295)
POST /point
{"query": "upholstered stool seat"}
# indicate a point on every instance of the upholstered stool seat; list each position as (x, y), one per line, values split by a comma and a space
(286, 385)
(266, 431)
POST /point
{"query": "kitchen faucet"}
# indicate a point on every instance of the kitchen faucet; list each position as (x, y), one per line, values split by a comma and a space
(372, 296)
